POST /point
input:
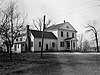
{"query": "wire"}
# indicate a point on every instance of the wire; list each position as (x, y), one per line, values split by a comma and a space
(77, 11)
(77, 6)
(83, 9)
(74, 7)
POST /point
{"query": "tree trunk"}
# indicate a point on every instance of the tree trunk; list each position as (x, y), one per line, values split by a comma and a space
(10, 53)
(97, 42)
(7, 49)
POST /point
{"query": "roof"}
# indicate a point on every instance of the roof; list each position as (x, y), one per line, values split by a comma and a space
(59, 25)
(70, 38)
(38, 34)
(23, 34)
(19, 42)
(55, 26)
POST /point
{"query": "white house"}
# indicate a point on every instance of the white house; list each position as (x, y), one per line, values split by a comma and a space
(20, 44)
(66, 35)
(58, 37)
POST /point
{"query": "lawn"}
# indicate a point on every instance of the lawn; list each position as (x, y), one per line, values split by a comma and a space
(22, 62)
(58, 63)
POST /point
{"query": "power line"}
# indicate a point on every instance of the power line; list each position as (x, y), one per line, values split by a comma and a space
(83, 9)
(77, 6)
(74, 7)
(77, 11)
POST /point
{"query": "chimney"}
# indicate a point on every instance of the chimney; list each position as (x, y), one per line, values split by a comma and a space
(64, 21)
(27, 29)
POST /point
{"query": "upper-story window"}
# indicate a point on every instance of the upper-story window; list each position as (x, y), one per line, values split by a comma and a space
(61, 33)
(17, 39)
(20, 38)
(73, 35)
(67, 34)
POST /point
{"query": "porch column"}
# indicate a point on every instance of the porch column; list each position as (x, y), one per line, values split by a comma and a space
(70, 45)
(75, 44)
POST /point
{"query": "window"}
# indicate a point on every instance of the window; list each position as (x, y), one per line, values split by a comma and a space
(21, 39)
(68, 44)
(39, 44)
(61, 33)
(18, 45)
(31, 44)
(61, 44)
(67, 34)
(74, 44)
(53, 44)
(73, 35)
(17, 39)
(67, 27)
(15, 47)
(23, 44)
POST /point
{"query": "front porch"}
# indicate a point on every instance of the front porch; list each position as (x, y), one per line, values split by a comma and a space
(71, 43)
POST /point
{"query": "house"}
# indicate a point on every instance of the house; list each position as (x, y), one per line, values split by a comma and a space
(20, 44)
(59, 37)
(66, 36)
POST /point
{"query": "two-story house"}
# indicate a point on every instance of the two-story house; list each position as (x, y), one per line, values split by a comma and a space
(56, 37)
(66, 35)
(31, 41)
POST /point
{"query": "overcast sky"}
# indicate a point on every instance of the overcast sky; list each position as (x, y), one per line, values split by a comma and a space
(77, 12)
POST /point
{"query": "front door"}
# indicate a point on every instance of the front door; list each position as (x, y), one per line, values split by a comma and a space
(23, 47)
(68, 44)
(46, 46)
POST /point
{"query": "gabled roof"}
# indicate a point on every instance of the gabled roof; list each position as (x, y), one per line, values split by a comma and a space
(55, 26)
(59, 25)
(38, 34)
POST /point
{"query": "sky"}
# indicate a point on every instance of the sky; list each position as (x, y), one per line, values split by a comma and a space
(77, 12)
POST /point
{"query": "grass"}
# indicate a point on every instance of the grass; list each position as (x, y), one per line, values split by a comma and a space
(21, 61)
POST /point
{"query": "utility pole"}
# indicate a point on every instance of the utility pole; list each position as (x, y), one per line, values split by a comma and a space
(11, 43)
(43, 36)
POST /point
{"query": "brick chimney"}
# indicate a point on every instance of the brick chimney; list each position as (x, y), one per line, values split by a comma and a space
(64, 21)
(27, 30)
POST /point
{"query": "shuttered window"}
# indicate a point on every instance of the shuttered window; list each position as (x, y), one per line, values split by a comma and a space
(61, 44)
(61, 33)
(39, 44)
(53, 44)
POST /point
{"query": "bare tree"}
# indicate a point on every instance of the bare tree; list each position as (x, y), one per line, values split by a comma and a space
(80, 41)
(11, 24)
(38, 24)
(93, 26)
(86, 45)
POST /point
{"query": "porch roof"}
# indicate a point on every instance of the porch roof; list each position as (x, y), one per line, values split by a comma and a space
(70, 38)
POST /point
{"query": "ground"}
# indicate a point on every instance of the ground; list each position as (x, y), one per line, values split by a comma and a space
(51, 64)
